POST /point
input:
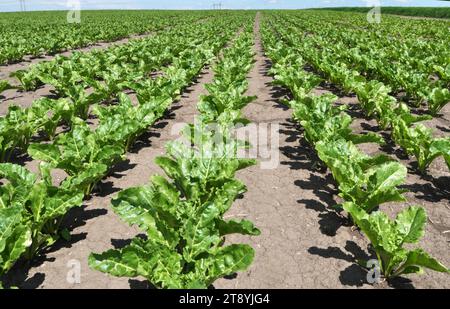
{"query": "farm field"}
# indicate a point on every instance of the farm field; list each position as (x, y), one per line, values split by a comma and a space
(38, 34)
(431, 12)
(121, 151)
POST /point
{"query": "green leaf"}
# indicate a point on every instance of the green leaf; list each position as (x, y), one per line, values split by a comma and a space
(411, 224)
(419, 258)
(199, 232)
(15, 237)
(45, 152)
(229, 260)
(243, 227)
(141, 207)
(4, 85)
(442, 146)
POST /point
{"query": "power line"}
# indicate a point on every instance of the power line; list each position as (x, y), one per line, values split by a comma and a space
(23, 7)
(217, 6)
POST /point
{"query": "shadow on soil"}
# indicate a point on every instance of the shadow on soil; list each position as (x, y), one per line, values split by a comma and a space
(443, 129)
(135, 284)
(436, 190)
(303, 157)
(329, 220)
(106, 188)
(20, 158)
(355, 275)
(18, 276)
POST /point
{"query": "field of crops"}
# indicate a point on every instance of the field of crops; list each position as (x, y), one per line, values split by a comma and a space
(431, 12)
(127, 159)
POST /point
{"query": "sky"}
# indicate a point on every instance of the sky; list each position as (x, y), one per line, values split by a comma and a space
(13, 5)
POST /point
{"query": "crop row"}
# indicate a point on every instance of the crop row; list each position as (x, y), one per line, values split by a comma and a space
(364, 182)
(86, 79)
(374, 98)
(182, 215)
(32, 207)
(415, 66)
(433, 12)
(35, 34)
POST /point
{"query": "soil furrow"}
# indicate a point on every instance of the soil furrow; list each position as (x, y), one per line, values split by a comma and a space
(7, 69)
(25, 99)
(95, 227)
(304, 242)
(289, 203)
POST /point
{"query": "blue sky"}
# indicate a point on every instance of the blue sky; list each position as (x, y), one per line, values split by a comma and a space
(13, 5)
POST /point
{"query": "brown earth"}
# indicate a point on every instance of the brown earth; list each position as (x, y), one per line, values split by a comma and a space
(95, 227)
(7, 69)
(25, 99)
(304, 243)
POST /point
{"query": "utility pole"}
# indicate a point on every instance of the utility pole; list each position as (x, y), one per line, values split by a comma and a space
(23, 8)
(217, 6)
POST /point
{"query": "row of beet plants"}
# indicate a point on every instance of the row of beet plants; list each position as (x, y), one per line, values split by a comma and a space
(182, 214)
(414, 65)
(86, 79)
(375, 99)
(365, 182)
(32, 207)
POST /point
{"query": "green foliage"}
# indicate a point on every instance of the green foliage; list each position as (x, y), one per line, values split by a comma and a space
(388, 238)
(182, 217)
(83, 155)
(123, 123)
(226, 94)
(4, 85)
(34, 208)
(419, 141)
(438, 98)
(31, 211)
(323, 121)
(366, 181)
(40, 33)
(434, 12)
(298, 44)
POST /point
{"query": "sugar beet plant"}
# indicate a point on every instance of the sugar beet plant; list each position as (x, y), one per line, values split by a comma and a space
(97, 70)
(405, 65)
(365, 182)
(388, 239)
(182, 216)
(182, 219)
(87, 155)
(375, 96)
(32, 210)
(226, 94)
(116, 65)
(40, 33)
